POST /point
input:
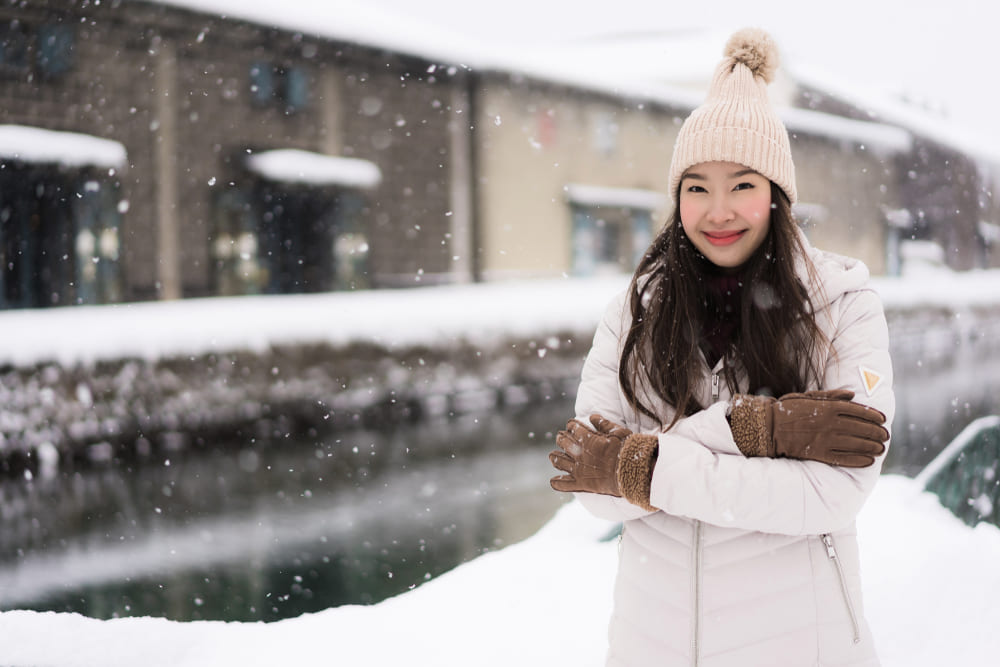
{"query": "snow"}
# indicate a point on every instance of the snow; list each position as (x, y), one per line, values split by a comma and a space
(645, 51)
(872, 135)
(72, 149)
(956, 446)
(348, 20)
(626, 57)
(483, 313)
(925, 285)
(929, 583)
(921, 57)
(399, 317)
(596, 195)
(298, 166)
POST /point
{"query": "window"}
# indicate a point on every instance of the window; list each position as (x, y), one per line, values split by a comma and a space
(606, 131)
(295, 88)
(59, 239)
(273, 85)
(97, 244)
(612, 226)
(47, 50)
(55, 49)
(15, 58)
(350, 244)
(261, 83)
(235, 246)
(609, 239)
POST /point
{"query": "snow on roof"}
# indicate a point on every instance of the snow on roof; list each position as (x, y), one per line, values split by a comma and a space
(371, 26)
(72, 149)
(298, 166)
(875, 135)
(651, 67)
(884, 109)
(344, 20)
(596, 195)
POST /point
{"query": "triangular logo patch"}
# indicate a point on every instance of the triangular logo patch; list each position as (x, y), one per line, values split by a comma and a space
(871, 379)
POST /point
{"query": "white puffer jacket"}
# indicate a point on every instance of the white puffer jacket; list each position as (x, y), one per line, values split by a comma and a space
(751, 561)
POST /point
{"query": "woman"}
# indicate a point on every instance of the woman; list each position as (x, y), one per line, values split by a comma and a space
(739, 545)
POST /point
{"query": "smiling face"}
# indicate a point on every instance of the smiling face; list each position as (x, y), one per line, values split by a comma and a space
(725, 210)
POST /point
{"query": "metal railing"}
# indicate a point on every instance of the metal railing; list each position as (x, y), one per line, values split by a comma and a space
(966, 474)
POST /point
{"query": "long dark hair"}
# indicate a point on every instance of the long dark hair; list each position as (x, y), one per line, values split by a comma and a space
(776, 341)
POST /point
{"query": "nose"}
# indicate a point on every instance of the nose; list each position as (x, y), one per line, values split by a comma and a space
(720, 211)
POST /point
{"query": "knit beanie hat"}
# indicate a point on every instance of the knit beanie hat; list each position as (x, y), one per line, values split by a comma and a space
(737, 123)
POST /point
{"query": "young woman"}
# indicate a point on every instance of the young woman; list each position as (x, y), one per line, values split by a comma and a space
(733, 410)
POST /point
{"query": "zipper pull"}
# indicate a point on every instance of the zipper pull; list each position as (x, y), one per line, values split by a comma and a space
(715, 386)
(830, 551)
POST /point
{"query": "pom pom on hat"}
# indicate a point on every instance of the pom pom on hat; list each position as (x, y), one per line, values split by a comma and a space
(737, 123)
(754, 48)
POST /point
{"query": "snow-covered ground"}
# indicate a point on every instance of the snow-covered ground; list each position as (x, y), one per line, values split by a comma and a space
(930, 590)
(931, 582)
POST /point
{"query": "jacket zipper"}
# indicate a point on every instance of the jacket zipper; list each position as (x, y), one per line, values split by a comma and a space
(831, 552)
(696, 557)
(696, 568)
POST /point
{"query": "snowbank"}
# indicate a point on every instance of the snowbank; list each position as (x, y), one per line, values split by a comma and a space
(483, 312)
(930, 586)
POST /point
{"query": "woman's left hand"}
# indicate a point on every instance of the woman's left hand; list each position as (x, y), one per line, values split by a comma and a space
(588, 457)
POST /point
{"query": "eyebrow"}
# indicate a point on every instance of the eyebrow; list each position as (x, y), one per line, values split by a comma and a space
(736, 174)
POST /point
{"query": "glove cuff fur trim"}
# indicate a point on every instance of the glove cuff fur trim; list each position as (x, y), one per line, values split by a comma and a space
(748, 423)
(635, 468)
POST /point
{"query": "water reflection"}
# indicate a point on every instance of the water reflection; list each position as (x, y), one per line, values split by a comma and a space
(275, 531)
(940, 388)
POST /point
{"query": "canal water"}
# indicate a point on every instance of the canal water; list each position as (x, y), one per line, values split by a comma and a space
(264, 530)
(276, 529)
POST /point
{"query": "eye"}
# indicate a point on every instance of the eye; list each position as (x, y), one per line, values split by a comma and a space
(744, 186)
(696, 188)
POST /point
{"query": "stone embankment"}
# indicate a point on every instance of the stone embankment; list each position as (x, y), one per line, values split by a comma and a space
(53, 416)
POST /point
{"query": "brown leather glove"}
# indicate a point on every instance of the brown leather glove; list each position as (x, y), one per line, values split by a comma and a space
(823, 426)
(610, 460)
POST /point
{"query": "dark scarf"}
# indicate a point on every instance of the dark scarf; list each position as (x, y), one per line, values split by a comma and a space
(722, 315)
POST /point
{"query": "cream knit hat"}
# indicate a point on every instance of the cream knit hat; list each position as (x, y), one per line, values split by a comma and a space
(737, 122)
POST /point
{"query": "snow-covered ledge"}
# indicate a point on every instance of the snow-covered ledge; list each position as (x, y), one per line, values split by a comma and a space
(72, 149)
(599, 195)
(289, 165)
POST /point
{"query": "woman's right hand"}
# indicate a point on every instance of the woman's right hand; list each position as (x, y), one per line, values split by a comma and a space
(825, 426)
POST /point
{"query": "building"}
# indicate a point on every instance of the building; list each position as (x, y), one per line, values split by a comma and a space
(246, 159)
(157, 149)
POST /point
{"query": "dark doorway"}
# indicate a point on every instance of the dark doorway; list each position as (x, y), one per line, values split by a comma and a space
(59, 242)
(36, 238)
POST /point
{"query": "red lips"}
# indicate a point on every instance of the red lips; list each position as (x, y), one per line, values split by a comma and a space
(724, 238)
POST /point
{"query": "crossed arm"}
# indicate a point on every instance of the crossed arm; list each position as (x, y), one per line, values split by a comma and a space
(801, 464)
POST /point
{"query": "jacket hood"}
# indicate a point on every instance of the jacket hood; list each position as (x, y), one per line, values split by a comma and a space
(835, 275)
